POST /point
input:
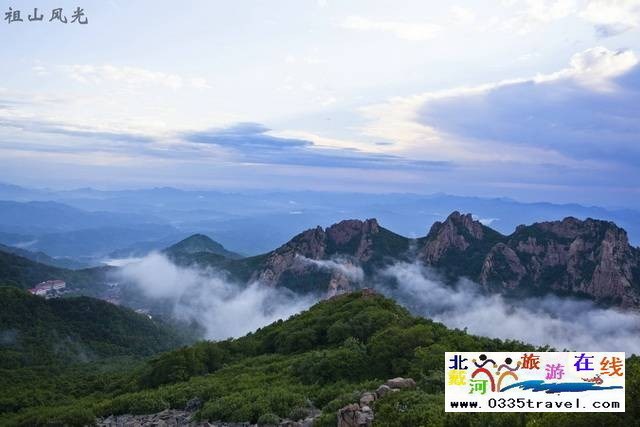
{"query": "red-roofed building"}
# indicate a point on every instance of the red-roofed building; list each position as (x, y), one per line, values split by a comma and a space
(49, 287)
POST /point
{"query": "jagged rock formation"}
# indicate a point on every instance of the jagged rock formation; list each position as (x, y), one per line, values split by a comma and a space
(356, 244)
(589, 258)
(457, 246)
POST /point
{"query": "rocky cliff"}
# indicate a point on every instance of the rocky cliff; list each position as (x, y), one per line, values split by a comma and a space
(351, 246)
(590, 258)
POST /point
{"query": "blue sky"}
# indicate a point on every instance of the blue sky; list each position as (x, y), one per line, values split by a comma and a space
(535, 100)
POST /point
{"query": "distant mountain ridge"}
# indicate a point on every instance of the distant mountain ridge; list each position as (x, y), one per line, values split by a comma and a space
(590, 258)
(199, 243)
(255, 222)
(43, 258)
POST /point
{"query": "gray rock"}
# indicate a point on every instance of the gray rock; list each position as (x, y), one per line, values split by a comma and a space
(347, 415)
(383, 390)
(367, 398)
(364, 417)
(193, 405)
(401, 383)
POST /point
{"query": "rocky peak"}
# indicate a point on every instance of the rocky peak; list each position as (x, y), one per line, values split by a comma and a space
(590, 257)
(456, 233)
(351, 238)
(344, 231)
(571, 228)
(310, 244)
(457, 223)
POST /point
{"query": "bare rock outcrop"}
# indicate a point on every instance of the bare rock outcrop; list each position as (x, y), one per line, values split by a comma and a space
(352, 240)
(591, 258)
(456, 233)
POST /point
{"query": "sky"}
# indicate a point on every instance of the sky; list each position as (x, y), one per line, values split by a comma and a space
(534, 100)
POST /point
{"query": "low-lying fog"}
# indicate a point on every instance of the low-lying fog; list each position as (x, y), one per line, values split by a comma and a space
(226, 309)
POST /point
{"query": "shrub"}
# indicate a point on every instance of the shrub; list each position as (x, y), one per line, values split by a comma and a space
(268, 419)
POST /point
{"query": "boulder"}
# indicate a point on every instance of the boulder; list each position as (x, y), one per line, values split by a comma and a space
(367, 398)
(383, 390)
(401, 383)
(347, 415)
(364, 417)
(354, 415)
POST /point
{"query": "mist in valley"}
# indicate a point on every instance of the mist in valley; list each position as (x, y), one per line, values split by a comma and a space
(227, 309)
(206, 296)
(560, 322)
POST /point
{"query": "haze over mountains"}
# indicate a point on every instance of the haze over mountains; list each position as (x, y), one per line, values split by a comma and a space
(189, 265)
(459, 271)
(577, 282)
(91, 225)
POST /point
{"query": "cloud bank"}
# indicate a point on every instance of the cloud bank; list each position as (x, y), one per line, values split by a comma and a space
(563, 323)
(587, 111)
(344, 267)
(226, 309)
(223, 308)
(253, 143)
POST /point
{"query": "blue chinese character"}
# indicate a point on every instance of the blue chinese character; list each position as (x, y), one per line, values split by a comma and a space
(457, 362)
(584, 363)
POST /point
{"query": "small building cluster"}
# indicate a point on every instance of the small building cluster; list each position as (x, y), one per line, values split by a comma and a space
(49, 289)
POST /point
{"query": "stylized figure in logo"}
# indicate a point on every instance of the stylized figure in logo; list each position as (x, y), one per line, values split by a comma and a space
(596, 380)
(509, 371)
(482, 370)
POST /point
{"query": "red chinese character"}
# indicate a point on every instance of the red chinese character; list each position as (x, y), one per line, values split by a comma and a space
(530, 361)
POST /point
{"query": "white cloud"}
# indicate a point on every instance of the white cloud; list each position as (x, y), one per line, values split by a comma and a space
(343, 267)
(223, 308)
(397, 119)
(414, 31)
(534, 13)
(558, 322)
(612, 17)
(40, 70)
(595, 68)
(132, 77)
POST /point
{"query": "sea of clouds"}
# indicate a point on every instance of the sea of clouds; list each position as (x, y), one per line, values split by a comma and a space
(226, 309)
(561, 322)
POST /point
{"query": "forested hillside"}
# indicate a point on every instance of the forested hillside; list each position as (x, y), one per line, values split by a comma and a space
(321, 359)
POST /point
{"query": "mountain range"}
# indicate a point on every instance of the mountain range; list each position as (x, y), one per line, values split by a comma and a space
(67, 361)
(93, 224)
(584, 258)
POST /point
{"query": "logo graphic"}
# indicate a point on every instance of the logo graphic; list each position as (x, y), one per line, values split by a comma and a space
(534, 382)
